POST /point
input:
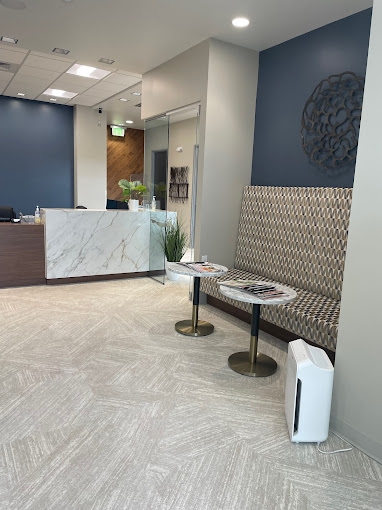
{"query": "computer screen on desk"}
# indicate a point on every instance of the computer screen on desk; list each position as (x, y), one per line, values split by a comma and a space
(6, 213)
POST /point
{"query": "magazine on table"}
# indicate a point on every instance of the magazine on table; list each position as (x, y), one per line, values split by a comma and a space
(263, 290)
(202, 267)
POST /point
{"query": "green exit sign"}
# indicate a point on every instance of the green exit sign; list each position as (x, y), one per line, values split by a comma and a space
(117, 131)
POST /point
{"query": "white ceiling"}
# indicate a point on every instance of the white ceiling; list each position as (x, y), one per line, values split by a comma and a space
(139, 35)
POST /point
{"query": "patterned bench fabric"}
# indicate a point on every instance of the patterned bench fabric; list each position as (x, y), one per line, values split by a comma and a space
(310, 315)
(298, 237)
(295, 236)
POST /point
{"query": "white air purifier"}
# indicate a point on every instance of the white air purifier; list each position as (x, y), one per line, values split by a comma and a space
(308, 392)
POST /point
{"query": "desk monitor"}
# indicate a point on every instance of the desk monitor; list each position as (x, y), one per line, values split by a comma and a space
(7, 213)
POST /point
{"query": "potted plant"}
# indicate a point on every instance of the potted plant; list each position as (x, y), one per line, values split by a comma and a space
(174, 241)
(133, 192)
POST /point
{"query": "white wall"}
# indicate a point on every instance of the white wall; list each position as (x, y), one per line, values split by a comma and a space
(182, 134)
(223, 77)
(357, 401)
(179, 82)
(90, 158)
(228, 148)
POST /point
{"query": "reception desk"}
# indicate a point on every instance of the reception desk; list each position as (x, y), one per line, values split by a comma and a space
(85, 243)
(22, 254)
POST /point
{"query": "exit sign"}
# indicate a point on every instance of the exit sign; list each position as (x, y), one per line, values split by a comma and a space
(117, 131)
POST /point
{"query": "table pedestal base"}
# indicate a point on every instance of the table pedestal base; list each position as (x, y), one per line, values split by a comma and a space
(262, 367)
(187, 328)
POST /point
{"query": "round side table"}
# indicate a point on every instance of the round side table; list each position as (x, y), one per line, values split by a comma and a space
(253, 363)
(195, 327)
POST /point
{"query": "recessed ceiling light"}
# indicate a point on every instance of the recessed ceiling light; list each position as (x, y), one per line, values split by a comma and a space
(87, 71)
(240, 22)
(136, 94)
(52, 99)
(129, 122)
(123, 99)
(13, 4)
(9, 40)
(60, 51)
(21, 94)
(60, 93)
(107, 61)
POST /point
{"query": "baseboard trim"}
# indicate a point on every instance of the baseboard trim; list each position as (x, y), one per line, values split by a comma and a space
(267, 327)
(98, 278)
(364, 443)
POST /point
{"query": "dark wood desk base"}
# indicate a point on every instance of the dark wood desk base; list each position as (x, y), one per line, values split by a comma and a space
(22, 254)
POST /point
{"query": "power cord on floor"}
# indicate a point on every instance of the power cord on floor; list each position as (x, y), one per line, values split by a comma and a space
(336, 451)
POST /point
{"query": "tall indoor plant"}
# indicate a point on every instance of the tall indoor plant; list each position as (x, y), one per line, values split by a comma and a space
(174, 241)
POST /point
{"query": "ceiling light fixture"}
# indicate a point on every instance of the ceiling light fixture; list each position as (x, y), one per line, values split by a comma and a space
(107, 61)
(136, 94)
(240, 22)
(52, 99)
(60, 93)
(88, 72)
(129, 122)
(18, 5)
(123, 99)
(21, 94)
(60, 51)
(9, 40)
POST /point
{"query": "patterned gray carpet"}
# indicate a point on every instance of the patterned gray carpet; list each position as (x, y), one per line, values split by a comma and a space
(103, 406)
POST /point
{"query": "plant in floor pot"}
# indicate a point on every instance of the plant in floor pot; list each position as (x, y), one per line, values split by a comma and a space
(174, 243)
(132, 192)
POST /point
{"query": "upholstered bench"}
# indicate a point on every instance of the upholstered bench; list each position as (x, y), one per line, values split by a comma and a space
(296, 237)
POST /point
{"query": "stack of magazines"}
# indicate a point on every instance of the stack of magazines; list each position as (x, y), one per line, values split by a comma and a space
(262, 290)
(202, 267)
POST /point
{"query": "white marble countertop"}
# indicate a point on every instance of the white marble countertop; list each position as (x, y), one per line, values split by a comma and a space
(179, 269)
(247, 297)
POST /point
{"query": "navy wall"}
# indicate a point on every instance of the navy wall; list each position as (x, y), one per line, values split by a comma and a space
(288, 74)
(37, 158)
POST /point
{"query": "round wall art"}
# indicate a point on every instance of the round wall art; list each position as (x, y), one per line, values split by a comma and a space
(330, 121)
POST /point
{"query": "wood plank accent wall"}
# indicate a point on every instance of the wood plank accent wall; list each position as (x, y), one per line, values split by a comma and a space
(22, 254)
(125, 156)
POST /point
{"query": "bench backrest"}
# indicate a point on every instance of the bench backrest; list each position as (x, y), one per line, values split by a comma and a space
(296, 236)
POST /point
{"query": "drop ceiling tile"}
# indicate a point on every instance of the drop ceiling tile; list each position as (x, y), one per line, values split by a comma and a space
(84, 100)
(14, 57)
(122, 79)
(29, 94)
(46, 99)
(29, 81)
(63, 85)
(104, 87)
(53, 56)
(74, 80)
(51, 64)
(128, 73)
(35, 72)
(11, 47)
(5, 76)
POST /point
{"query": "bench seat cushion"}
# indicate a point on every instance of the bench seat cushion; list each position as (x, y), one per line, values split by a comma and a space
(311, 316)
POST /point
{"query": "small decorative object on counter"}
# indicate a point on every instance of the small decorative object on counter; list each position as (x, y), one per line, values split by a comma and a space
(37, 217)
(153, 204)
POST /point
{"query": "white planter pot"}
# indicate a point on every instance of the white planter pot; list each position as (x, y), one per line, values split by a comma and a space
(133, 205)
(170, 275)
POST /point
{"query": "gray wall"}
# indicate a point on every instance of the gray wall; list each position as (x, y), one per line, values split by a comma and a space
(357, 408)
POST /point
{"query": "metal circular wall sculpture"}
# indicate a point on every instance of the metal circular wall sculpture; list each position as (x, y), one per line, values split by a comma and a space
(330, 121)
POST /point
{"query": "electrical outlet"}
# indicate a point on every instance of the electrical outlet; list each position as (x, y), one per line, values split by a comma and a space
(204, 258)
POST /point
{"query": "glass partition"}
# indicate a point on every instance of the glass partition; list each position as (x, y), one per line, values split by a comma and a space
(170, 174)
(155, 178)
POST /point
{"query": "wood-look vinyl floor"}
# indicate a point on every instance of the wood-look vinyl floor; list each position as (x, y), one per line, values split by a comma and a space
(103, 406)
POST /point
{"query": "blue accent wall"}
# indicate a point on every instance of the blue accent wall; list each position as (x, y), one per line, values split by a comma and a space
(288, 74)
(37, 155)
